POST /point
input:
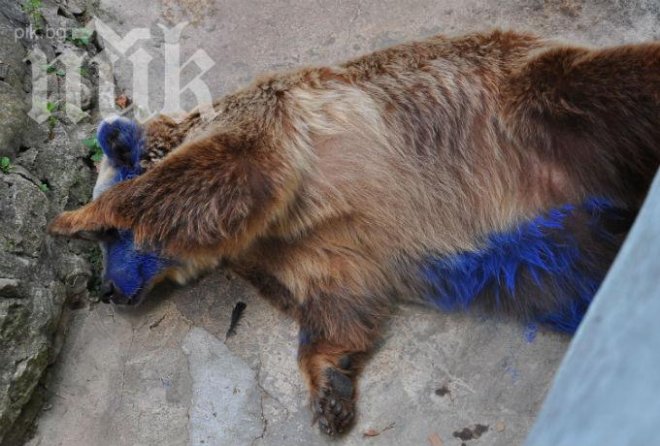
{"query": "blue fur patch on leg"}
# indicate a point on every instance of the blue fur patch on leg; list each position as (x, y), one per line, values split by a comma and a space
(543, 249)
(304, 337)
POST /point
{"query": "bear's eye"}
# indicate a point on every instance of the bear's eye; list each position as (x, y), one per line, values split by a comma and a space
(108, 234)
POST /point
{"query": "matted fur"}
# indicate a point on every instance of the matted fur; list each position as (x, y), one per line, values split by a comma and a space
(328, 187)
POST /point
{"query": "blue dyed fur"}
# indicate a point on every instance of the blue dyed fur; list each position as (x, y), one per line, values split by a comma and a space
(122, 142)
(542, 248)
(130, 269)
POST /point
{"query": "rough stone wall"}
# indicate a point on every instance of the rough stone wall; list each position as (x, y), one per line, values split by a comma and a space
(45, 169)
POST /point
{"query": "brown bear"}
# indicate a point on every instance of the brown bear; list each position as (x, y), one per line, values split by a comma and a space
(497, 169)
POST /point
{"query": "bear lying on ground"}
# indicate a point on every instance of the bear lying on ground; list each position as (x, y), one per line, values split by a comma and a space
(495, 169)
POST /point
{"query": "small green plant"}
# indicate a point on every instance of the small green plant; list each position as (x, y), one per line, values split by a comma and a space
(43, 187)
(95, 258)
(5, 164)
(51, 108)
(52, 121)
(95, 150)
(50, 69)
(80, 36)
(84, 71)
(32, 8)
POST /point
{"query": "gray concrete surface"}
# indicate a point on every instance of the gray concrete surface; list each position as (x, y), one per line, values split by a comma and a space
(161, 374)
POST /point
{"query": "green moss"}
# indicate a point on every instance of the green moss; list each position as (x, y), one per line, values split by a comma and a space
(80, 36)
(95, 151)
(33, 9)
(13, 321)
(95, 258)
(5, 164)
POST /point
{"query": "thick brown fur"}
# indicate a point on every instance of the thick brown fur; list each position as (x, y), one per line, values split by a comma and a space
(326, 187)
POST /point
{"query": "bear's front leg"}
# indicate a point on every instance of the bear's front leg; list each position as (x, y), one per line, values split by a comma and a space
(336, 336)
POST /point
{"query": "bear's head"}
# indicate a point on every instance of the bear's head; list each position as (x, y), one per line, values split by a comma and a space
(128, 272)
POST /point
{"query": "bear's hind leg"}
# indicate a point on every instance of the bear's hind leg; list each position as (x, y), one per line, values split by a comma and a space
(336, 337)
(331, 376)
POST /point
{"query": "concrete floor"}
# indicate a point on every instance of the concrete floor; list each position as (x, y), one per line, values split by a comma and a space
(163, 374)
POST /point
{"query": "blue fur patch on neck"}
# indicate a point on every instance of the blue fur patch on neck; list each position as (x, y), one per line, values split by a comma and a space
(543, 249)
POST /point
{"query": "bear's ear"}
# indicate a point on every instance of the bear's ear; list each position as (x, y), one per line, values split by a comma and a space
(122, 142)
